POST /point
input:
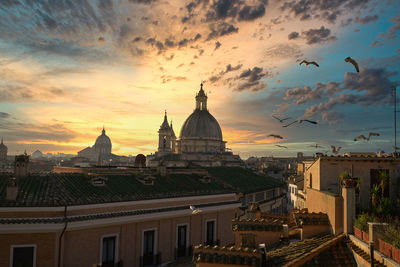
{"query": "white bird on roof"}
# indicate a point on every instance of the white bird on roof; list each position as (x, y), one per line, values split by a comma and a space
(195, 210)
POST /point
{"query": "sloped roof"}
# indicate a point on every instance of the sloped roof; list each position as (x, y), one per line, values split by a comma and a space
(58, 189)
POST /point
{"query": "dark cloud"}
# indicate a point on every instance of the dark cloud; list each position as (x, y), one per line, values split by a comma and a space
(325, 9)
(27, 132)
(217, 45)
(249, 80)
(293, 35)
(137, 39)
(228, 68)
(366, 19)
(101, 39)
(221, 29)
(4, 115)
(251, 12)
(316, 36)
(367, 88)
(221, 9)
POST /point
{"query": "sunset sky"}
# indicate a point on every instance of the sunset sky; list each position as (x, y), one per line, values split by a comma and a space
(68, 67)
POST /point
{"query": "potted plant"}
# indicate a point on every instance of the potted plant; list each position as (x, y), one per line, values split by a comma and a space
(346, 179)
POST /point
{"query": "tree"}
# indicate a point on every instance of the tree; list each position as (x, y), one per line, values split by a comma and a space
(383, 180)
(375, 195)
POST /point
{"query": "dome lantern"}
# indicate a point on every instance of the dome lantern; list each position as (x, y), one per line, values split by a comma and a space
(201, 99)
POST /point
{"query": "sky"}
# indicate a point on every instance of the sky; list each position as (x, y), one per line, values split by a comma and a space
(69, 67)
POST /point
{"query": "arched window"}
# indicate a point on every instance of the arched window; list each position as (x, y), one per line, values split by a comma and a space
(164, 142)
(310, 180)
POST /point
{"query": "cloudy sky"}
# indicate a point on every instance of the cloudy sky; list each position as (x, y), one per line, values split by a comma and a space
(69, 67)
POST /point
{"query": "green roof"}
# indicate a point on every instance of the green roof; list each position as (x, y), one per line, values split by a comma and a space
(244, 180)
(58, 189)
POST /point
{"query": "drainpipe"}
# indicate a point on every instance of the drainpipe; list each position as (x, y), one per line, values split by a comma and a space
(61, 236)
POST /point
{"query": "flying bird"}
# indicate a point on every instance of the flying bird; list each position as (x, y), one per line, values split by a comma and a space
(309, 62)
(281, 146)
(372, 134)
(360, 137)
(276, 136)
(313, 122)
(289, 124)
(334, 150)
(352, 61)
(366, 138)
(195, 210)
(280, 120)
(316, 146)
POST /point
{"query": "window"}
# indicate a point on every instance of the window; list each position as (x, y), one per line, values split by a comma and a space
(108, 250)
(23, 256)
(310, 180)
(259, 197)
(149, 247)
(182, 238)
(210, 232)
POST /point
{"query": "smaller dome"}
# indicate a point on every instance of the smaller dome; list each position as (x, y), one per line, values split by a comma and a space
(140, 160)
(103, 139)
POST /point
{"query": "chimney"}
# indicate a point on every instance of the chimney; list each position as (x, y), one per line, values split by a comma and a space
(21, 165)
(12, 189)
(349, 205)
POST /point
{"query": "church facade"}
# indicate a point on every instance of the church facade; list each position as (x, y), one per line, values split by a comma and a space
(3, 151)
(200, 141)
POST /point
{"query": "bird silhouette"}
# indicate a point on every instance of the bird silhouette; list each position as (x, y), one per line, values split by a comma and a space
(281, 146)
(335, 150)
(352, 61)
(309, 62)
(360, 137)
(313, 122)
(195, 210)
(276, 136)
(289, 124)
(366, 138)
(316, 146)
(280, 120)
(372, 134)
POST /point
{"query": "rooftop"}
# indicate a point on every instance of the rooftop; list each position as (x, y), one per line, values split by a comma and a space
(58, 189)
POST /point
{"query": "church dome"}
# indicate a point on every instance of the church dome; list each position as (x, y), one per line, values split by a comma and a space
(103, 143)
(201, 125)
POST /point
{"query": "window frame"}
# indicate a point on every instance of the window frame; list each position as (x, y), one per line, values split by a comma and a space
(23, 246)
(116, 247)
(155, 247)
(215, 230)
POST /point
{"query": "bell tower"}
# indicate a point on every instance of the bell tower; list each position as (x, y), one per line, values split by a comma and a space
(201, 99)
(166, 137)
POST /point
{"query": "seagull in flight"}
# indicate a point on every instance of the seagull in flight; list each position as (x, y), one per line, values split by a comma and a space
(313, 122)
(334, 150)
(280, 120)
(309, 62)
(276, 136)
(289, 123)
(352, 61)
(366, 138)
(316, 146)
(195, 210)
(281, 146)
(360, 137)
